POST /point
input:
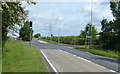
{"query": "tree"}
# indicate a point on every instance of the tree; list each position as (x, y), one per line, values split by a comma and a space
(37, 35)
(13, 13)
(94, 31)
(107, 35)
(25, 32)
(82, 34)
(110, 35)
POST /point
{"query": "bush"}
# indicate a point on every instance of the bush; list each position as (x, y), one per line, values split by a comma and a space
(72, 40)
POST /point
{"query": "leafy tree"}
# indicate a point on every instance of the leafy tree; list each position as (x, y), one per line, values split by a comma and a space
(94, 31)
(13, 13)
(37, 35)
(25, 32)
(110, 35)
(82, 34)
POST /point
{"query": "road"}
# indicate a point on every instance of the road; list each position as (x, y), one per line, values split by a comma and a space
(66, 59)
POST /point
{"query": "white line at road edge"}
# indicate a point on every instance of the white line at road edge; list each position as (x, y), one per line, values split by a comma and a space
(89, 61)
(112, 71)
(55, 70)
(41, 41)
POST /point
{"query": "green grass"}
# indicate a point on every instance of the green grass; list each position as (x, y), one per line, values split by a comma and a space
(99, 51)
(22, 58)
(53, 42)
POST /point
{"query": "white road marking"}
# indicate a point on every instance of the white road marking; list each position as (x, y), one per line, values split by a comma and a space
(74, 55)
(84, 59)
(87, 60)
(63, 51)
(66, 52)
(41, 41)
(55, 70)
(112, 71)
(60, 50)
(69, 47)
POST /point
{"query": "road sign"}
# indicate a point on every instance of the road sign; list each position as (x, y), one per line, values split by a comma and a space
(89, 37)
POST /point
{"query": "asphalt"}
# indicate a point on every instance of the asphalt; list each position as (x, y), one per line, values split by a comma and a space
(79, 65)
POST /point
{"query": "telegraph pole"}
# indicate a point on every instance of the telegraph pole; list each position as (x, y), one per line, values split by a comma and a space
(51, 31)
(91, 25)
(59, 19)
(59, 35)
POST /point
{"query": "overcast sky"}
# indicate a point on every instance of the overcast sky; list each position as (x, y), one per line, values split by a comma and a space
(71, 16)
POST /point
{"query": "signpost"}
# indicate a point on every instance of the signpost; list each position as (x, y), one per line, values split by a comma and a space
(89, 37)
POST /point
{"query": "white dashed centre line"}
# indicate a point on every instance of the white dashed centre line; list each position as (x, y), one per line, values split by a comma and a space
(87, 60)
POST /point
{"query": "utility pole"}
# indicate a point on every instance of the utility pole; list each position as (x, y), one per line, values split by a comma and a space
(91, 25)
(59, 34)
(51, 31)
(59, 20)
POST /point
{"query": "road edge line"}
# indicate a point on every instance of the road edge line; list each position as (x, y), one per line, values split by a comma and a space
(54, 69)
(91, 62)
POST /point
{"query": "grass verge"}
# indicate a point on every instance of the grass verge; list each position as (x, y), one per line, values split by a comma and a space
(22, 58)
(101, 52)
(53, 42)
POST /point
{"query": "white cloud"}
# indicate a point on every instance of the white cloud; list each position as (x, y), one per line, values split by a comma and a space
(72, 16)
(72, 0)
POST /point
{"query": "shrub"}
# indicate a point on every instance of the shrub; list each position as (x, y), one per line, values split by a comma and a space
(72, 40)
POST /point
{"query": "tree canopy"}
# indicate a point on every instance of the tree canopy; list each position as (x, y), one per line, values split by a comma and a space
(110, 35)
(13, 13)
(25, 32)
(37, 35)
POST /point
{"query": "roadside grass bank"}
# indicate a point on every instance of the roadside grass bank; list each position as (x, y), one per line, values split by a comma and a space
(100, 51)
(53, 42)
(20, 57)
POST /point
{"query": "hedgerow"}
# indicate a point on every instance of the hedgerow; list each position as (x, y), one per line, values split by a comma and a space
(73, 40)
